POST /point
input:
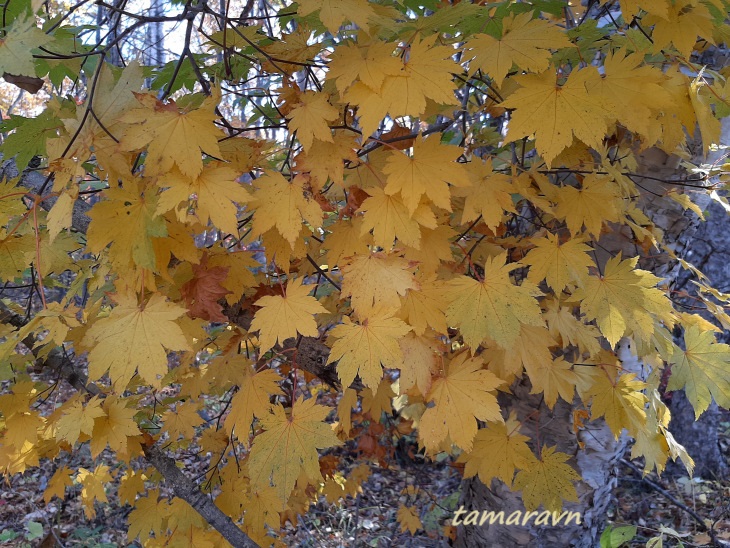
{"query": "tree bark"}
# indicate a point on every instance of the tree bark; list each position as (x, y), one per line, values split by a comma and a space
(598, 462)
(700, 437)
(711, 253)
(186, 489)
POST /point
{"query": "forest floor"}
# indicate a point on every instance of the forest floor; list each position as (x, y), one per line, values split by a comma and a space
(673, 505)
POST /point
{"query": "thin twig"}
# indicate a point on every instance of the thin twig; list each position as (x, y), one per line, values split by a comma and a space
(667, 495)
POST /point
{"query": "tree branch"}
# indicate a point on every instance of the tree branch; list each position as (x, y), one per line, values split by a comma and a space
(667, 495)
(182, 486)
(186, 489)
(34, 182)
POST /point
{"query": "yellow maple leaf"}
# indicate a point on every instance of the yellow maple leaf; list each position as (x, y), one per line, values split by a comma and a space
(61, 214)
(294, 47)
(181, 422)
(377, 280)
(420, 356)
(624, 300)
(552, 377)
(531, 348)
(703, 370)
(179, 242)
(525, 42)
(555, 113)
(211, 195)
(57, 319)
(17, 252)
(596, 202)
(347, 403)
(12, 203)
(630, 8)
(654, 442)
(547, 481)
(309, 118)
(424, 307)
(245, 154)
(172, 136)
(93, 487)
(651, 445)
(461, 397)
(620, 401)
(233, 490)
(493, 308)
(54, 255)
(334, 488)
(489, 195)
(558, 263)
(149, 515)
(113, 96)
(20, 397)
(408, 519)
(683, 23)
(324, 160)
(282, 317)
(563, 323)
(435, 248)
(22, 428)
(114, 427)
(57, 484)
(370, 62)
(347, 237)
(134, 209)
(280, 251)
(429, 171)
(284, 205)
(236, 37)
(425, 74)
(361, 348)
(499, 449)
(262, 512)
(389, 219)
(288, 446)
(239, 265)
(378, 400)
(186, 525)
(635, 90)
(78, 418)
(134, 337)
(131, 484)
(333, 13)
(709, 125)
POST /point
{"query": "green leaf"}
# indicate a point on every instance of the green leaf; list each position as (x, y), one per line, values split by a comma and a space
(8, 535)
(35, 530)
(613, 537)
(15, 9)
(185, 77)
(16, 48)
(29, 137)
(66, 41)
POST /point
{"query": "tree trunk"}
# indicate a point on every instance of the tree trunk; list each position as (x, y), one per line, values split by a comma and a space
(711, 253)
(597, 462)
(699, 437)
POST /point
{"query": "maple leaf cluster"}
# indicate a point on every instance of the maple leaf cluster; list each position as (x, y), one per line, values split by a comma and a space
(432, 206)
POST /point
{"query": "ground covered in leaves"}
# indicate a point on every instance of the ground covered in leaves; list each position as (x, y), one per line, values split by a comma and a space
(672, 504)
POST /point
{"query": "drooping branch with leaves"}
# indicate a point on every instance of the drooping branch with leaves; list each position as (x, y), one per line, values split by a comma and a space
(322, 220)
